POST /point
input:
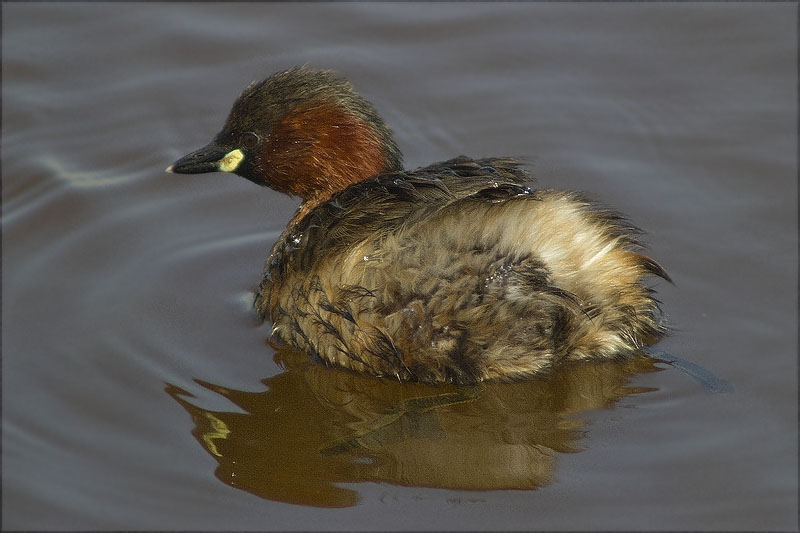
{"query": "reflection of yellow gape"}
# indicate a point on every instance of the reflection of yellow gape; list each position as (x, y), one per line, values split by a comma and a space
(315, 427)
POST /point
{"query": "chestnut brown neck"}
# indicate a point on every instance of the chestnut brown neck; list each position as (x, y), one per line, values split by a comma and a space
(320, 149)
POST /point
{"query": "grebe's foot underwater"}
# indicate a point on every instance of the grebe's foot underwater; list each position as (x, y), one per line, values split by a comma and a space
(706, 378)
(411, 410)
(456, 272)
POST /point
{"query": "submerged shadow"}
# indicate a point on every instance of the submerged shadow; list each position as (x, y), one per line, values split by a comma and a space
(315, 428)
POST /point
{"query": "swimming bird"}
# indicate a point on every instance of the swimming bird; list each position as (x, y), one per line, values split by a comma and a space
(456, 272)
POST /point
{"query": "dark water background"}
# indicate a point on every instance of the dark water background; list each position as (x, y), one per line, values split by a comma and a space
(138, 390)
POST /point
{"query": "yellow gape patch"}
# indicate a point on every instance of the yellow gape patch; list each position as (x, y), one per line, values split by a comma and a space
(231, 161)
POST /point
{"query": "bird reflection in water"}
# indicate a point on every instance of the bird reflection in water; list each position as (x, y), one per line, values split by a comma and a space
(316, 428)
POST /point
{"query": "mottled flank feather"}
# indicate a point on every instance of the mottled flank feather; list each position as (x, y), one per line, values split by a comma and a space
(458, 272)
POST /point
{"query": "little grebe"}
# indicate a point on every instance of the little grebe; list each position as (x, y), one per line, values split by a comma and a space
(456, 272)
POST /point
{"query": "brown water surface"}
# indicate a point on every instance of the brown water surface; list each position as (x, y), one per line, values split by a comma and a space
(314, 428)
(138, 390)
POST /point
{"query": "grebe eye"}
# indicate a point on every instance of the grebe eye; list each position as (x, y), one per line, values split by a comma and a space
(250, 140)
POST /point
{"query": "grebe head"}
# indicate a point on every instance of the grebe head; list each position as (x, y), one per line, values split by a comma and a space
(303, 132)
